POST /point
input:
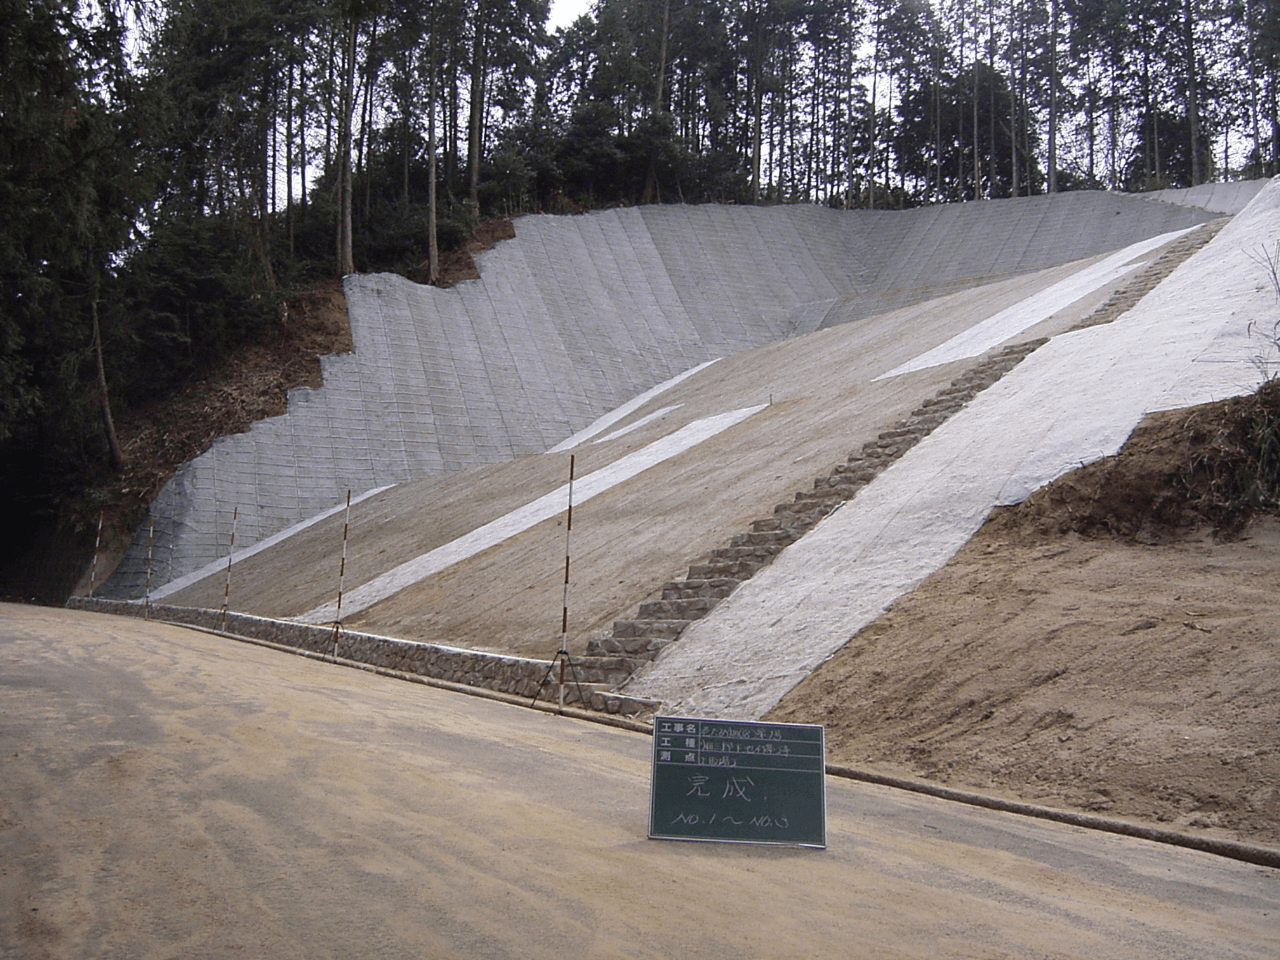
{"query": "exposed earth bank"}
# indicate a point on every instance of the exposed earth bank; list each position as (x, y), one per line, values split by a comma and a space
(1109, 645)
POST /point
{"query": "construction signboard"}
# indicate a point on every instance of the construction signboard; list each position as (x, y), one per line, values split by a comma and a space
(738, 781)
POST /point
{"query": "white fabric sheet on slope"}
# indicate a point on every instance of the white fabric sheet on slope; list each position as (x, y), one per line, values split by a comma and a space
(609, 419)
(517, 521)
(1011, 321)
(1073, 401)
(208, 570)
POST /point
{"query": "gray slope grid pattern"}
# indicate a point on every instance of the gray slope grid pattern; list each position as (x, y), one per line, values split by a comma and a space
(1221, 198)
(935, 250)
(558, 332)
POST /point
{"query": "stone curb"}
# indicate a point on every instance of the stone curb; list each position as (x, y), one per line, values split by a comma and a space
(112, 608)
(515, 676)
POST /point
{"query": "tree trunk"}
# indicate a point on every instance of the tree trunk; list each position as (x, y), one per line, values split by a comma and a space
(288, 156)
(960, 136)
(1113, 128)
(372, 67)
(991, 97)
(651, 176)
(433, 245)
(117, 457)
(757, 141)
(453, 117)
(476, 124)
(302, 137)
(1198, 173)
(1015, 30)
(346, 260)
(1053, 96)
(977, 131)
(873, 133)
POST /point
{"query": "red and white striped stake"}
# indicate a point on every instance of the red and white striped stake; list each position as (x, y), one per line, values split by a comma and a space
(564, 615)
(93, 570)
(342, 572)
(568, 532)
(226, 591)
(151, 539)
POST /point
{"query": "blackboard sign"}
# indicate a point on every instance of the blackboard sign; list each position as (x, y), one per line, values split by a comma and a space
(738, 781)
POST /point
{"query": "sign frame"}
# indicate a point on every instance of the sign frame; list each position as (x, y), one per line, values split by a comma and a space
(738, 781)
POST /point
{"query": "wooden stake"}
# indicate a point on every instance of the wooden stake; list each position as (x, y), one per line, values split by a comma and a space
(151, 539)
(564, 613)
(93, 569)
(226, 591)
(342, 572)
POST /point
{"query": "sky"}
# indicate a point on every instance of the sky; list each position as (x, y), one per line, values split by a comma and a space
(564, 12)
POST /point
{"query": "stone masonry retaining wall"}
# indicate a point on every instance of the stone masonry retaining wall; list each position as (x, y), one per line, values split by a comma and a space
(504, 674)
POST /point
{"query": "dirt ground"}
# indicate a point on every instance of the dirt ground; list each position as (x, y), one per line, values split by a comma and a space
(168, 793)
(1095, 648)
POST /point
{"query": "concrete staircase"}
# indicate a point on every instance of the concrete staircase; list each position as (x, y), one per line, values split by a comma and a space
(1150, 276)
(659, 623)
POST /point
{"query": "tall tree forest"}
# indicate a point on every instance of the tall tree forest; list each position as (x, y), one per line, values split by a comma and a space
(170, 173)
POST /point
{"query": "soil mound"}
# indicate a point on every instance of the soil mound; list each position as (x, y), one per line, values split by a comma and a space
(1108, 645)
(1215, 465)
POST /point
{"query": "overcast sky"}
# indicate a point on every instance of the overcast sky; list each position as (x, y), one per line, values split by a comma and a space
(564, 12)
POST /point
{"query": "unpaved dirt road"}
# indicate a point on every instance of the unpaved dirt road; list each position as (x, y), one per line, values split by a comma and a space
(166, 793)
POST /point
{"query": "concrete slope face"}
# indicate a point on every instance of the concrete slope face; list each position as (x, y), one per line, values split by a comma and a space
(575, 317)
(1226, 198)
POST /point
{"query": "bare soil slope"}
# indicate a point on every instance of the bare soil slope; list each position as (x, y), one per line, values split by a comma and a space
(1098, 647)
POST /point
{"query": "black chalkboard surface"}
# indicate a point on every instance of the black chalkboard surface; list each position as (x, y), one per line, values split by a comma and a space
(738, 781)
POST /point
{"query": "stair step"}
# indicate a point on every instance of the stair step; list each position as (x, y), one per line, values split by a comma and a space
(928, 419)
(640, 649)
(758, 538)
(719, 588)
(877, 450)
(737, 569)
(686, 608)
(842, 484)
(610, 668)
(651, 629)
(941, 405)
(822, 505)
(833, 494)
(760, 552)
(860, 471)
(623, 705)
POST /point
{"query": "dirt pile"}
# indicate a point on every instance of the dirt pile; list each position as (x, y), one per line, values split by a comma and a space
(458, 265)
(1215, 465)
(1108, 645)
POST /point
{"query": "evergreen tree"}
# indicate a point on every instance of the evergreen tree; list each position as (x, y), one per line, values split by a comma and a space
(70, 123)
